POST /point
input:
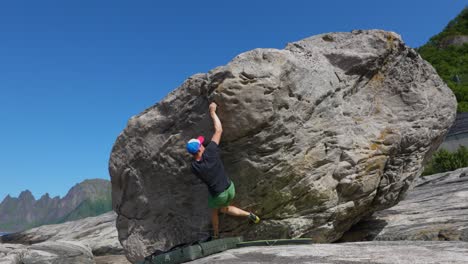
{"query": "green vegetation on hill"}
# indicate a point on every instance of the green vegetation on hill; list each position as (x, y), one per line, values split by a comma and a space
(456, 27)
(444, 160)
(88, 208)
(451, 61)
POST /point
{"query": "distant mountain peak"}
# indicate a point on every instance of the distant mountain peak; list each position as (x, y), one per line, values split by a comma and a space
(94, 181)
(45, 196)
(6, 199)
(26, 195)
(91, 188)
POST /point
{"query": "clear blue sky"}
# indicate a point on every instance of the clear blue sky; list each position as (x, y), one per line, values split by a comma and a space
(73, 72)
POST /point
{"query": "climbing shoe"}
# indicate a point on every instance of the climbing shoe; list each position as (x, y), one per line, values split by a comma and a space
(254, 218)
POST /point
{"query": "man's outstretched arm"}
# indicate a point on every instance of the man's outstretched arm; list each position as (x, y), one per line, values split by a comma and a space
(217, 124)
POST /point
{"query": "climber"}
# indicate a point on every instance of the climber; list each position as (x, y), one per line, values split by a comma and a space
(207, 166)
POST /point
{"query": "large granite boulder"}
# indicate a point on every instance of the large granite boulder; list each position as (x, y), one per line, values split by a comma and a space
(436, 209)
(316, 136)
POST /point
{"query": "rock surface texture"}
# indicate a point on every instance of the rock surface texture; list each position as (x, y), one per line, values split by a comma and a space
(98, 233)
(111, 259)
(316, 136)
(69, 252)
(437, 209)
(401, 252)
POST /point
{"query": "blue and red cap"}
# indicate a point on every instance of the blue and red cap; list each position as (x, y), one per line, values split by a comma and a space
(194, 144)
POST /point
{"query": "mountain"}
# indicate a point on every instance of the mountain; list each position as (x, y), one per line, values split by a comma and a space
(448, 53)
(88, 198)
(89, 207)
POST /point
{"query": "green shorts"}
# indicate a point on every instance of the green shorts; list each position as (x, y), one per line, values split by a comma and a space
(223, 199)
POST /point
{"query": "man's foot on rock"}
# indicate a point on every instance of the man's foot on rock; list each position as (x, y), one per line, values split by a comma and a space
(255, 219)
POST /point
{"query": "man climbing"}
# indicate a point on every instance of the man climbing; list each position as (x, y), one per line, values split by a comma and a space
(208, 167)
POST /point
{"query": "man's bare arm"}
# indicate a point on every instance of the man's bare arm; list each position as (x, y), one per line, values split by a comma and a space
(217, 124)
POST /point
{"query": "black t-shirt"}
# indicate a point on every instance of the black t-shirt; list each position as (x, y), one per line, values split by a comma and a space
(210, 170)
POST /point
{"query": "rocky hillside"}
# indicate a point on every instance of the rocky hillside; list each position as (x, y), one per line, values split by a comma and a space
(47, 252)
(375, 252)
(436, 209)
(315, 137)
(98, 233)
(88, 198)
(448, 53)
(94, 240)
(88, 240)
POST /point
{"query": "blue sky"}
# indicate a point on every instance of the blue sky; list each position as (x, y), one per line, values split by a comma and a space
(73, 72)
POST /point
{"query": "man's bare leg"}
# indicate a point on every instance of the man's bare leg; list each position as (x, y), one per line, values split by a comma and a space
(215, 222)
(232, 210)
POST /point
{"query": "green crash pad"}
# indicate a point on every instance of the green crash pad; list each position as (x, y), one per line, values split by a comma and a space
(194, 251)
(203, 249)
(275, 242)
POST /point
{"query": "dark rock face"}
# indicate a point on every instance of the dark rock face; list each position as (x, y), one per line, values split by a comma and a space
(316, 136)
(437, 209)
(20, 213)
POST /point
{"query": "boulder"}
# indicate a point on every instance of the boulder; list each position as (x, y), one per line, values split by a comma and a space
(436, 209)
(69, 252)
(382, 252)
(98, 233)
(316, 136)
